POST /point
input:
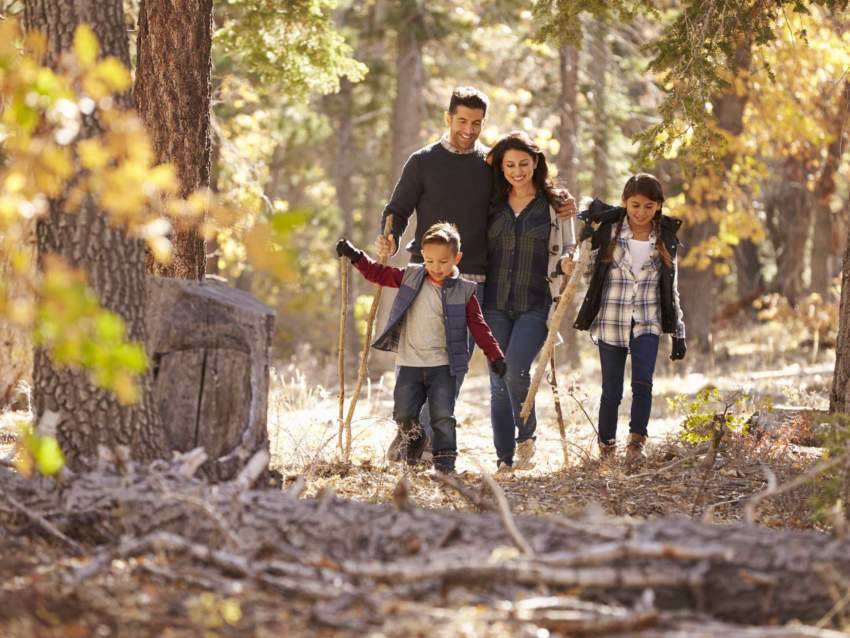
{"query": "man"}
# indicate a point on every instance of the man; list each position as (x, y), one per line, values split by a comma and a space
(447, 181)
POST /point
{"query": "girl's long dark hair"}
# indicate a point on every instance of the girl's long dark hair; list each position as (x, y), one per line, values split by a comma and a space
(648, 186)
(519, 141)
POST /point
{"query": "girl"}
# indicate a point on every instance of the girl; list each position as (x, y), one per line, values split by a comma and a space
(632, 298)
(524, 248)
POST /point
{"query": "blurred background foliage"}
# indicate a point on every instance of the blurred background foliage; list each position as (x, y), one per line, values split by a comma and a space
(741, 108)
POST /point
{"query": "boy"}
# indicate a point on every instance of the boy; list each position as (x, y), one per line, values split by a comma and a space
(427, 329)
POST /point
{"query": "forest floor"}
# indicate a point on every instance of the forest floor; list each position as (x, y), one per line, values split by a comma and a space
(130, 601)
(303, 427)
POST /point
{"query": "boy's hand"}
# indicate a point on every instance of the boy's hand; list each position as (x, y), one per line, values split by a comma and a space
(385, 246)
(679, 349)
(345, 248)
(498, 367)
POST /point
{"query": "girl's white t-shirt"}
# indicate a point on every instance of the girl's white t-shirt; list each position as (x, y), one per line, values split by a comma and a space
(640, 253)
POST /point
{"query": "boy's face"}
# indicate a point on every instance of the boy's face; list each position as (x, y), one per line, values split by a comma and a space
(464, 126)
(440, 260)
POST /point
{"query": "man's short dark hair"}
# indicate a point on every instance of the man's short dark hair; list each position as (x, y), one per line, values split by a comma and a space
(443, 233)
(469, 97)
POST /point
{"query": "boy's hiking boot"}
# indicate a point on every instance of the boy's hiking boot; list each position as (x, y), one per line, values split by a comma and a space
(607, 450)
(634, 449)
(524, 454)
(408, 444)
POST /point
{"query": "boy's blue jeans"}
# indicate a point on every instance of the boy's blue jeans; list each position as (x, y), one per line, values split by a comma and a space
(424, 415)
(520, 336)
(413, 386)
(644, 350)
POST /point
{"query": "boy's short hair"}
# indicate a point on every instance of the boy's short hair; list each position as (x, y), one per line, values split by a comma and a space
(443, 233)
(469, 97)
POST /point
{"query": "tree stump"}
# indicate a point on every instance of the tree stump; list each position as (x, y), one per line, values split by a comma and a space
(210, 347)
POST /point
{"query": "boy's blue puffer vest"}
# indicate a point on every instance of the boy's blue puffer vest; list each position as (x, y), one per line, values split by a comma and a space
(455, 293)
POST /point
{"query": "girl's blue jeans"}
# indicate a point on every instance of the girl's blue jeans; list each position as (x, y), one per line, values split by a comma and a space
(644, 350)
(520, 336)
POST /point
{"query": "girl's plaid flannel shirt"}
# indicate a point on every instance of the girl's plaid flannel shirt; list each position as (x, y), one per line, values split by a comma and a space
(627, 297)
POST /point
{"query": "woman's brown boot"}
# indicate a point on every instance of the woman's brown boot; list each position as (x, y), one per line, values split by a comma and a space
(634, 449)
(607, 450)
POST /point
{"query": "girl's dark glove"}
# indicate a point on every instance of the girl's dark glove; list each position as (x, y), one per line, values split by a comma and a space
(345, 248)
(498, 367)
(679, 349)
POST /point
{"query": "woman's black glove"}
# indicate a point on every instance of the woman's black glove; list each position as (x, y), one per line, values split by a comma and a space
(498, 367)
(345, 248)
(679, 349)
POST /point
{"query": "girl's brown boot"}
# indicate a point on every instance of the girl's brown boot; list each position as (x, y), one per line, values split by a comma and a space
(634, 449)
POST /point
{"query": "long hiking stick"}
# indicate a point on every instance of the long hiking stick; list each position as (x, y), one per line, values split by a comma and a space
(364, 354)
(553, 381)
(560, 310)
(343, 314)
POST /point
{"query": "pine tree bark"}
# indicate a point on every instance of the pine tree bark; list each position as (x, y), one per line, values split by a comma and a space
(598, 71)
(172, 95)
(567, 163)
(698, 288)
(407, 124)
(112, 261)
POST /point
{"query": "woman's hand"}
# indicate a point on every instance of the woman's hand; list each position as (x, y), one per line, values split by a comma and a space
(567, 265)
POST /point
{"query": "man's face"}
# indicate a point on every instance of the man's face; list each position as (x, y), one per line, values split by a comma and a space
(464, 126)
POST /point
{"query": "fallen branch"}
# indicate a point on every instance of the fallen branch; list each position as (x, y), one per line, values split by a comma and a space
(364, 355)
(564, 303)
(506, 516)
(44, 525)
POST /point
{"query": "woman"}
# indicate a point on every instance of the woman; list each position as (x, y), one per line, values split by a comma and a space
(524, 261)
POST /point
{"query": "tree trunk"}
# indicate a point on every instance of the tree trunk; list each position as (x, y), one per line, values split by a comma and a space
(343, 171)
(824, 191)
(787, 211)
(407, 124)
(567, 162)
(114, 265)
(173, 98)
(598, 70)
(698, 288)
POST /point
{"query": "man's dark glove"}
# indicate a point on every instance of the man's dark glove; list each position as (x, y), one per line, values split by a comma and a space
(345, 248)
(498, 367)
(679, 349)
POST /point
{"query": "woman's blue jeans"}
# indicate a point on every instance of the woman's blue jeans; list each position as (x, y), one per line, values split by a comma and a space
(644, 350)
(520, 336)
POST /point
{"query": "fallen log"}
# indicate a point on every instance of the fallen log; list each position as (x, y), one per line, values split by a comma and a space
(738, 573)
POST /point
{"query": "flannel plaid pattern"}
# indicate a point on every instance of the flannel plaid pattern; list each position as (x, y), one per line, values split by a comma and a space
(627, 297)
(518, 258)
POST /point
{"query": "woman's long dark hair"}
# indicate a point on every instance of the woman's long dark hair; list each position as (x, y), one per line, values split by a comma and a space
(519, 141)
(648, 186)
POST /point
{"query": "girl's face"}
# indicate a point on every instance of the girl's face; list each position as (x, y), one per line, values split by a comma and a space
(641, 210)
(518, 167)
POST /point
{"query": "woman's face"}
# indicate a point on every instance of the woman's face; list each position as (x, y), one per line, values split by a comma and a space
(518, 167)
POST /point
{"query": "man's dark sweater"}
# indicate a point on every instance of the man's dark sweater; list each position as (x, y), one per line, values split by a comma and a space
(445, 187)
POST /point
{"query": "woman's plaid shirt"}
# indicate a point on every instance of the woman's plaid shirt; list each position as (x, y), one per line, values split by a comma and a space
(627, 296)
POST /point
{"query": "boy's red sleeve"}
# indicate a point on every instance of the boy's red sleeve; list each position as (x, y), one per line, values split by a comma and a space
(484, 339)
(388, 276)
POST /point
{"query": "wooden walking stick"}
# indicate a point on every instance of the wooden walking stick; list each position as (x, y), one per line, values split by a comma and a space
(553, 381)
(560, 310)
(364, 355)
(343, 313)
